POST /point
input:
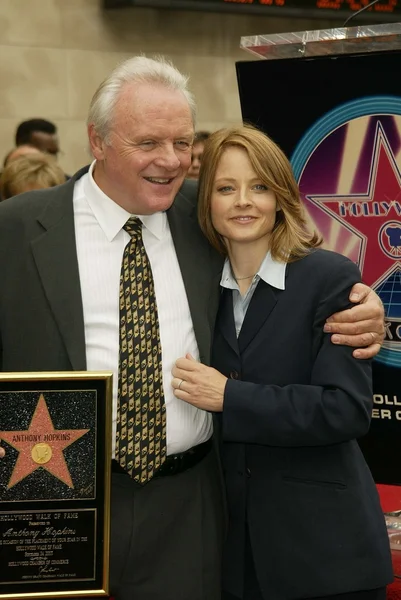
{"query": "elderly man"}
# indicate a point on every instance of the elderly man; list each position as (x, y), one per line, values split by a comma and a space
(64, 260)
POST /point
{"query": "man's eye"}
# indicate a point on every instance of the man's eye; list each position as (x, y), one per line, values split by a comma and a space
(183, 145)
(147, 143)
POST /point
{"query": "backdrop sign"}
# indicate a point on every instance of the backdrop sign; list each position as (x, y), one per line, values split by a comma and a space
(342, 129)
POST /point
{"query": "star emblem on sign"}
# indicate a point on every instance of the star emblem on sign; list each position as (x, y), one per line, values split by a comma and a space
(41, 446)
(375, 216)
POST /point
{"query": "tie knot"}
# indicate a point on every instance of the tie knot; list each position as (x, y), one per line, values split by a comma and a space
(134, 227)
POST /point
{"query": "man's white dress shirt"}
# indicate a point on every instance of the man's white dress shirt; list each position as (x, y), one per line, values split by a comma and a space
(100, 241)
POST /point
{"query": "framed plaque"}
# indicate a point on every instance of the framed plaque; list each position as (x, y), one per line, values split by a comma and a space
(55, 484)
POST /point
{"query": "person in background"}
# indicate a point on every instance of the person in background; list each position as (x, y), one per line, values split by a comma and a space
(39, 133)
(196, 155)
(66, 263)
(304, 515)
(29, 172)
(19, 151)
(15, 153)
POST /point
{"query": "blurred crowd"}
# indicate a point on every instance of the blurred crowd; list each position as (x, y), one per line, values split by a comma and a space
(32, 163)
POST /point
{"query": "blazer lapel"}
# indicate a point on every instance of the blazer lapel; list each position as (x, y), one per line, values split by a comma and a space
(262, 303)
(194, 258)
(56, 259)
(226, 321)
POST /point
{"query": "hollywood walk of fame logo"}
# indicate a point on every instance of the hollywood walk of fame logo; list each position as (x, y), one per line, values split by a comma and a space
(390, 239)
(375, 218)
(41, 446)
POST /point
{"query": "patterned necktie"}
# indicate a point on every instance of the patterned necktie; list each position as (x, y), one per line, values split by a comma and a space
(141, 411)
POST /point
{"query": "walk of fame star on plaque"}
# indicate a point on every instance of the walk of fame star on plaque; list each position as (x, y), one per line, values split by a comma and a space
(41, 446)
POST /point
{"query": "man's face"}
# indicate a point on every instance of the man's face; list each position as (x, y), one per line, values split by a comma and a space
(148, 152)
(45, 142)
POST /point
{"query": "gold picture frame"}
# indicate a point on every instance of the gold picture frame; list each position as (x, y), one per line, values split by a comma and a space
(55, 477)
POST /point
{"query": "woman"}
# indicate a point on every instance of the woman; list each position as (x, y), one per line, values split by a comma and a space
(304, 515)
(34, 171)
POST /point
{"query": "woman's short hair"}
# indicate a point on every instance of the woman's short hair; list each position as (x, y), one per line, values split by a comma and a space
(30, 172)
(138, 69)
(290, 238)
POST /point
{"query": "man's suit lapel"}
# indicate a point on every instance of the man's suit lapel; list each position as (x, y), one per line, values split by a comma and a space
(194, 258)
(262, 303)
(55, 256)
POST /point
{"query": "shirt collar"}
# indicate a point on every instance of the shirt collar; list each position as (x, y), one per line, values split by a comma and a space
(112, 217)
(271, 271)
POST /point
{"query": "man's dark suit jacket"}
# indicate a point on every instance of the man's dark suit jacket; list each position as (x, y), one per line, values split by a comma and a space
(294, 472)
(41, 314)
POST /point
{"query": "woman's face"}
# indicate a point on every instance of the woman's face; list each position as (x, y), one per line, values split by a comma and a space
(243, 208)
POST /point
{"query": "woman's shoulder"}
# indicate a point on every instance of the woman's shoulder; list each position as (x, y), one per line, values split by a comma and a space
(320, 267)
(323, 278)
(324, 259)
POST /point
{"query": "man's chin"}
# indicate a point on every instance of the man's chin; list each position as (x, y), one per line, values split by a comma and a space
(158, 204)
(159, 198)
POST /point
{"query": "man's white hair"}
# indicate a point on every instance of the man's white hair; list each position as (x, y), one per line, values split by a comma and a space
(138, 69)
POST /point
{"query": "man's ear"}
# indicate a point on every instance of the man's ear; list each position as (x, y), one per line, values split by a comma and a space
(96, 143)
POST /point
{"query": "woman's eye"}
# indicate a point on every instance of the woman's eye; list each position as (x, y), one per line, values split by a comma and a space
(261, 187)
(225, 188)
